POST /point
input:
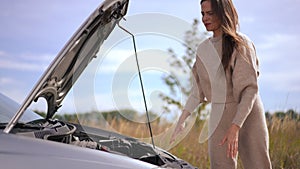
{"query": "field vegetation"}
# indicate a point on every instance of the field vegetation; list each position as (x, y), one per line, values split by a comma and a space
(284, 131)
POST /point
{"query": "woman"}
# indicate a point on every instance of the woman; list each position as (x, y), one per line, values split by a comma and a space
(225, 74)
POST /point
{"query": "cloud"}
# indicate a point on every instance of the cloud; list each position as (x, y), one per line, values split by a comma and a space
(8, 64)
(2, 53)
(278, 52)
(247, 19)
(279, 62)
(6, 81)
(273, 41)
(113, 59)
(282, 81)
(24, 62)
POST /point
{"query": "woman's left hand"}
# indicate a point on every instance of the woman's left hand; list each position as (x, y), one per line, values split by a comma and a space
(232, 139)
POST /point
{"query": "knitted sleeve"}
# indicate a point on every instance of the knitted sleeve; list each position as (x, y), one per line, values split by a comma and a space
(244, 78)
(196, 95)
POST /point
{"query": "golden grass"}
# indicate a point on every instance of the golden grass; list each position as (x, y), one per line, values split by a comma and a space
(284, 141)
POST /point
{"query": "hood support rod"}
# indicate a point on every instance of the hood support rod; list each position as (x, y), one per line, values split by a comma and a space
(141, 81)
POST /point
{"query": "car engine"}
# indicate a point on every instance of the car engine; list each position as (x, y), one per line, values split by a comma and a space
(102, 140)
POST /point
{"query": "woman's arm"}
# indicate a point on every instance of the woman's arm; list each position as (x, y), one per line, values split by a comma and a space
(245, 85)
(195, 98)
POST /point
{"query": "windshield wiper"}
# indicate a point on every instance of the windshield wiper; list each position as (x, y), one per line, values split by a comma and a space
(141, 82)
(3, 125)
(21, 125)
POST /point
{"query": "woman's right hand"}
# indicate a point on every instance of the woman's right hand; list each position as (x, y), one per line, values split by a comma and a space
(180, 125)
(178, 129)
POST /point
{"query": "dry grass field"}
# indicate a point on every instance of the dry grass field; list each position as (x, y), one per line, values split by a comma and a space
(284, 139)
(284, 142)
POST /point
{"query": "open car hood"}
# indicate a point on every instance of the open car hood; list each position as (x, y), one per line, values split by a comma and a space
(74, 57)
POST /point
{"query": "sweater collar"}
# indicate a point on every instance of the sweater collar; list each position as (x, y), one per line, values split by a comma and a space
(216, 39)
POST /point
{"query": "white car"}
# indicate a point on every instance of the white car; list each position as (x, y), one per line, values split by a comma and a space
(29, 141)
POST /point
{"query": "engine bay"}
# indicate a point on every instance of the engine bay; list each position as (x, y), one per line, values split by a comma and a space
(97, 139)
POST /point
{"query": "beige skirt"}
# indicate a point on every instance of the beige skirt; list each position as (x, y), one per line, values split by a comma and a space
(253, 139)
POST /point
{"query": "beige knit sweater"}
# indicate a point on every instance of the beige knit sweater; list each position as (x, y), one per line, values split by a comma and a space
(237, 84)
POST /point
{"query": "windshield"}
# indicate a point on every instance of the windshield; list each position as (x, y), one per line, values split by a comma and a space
(8, 108)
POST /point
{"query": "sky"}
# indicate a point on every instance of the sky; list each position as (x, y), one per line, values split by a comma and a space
(32, 32)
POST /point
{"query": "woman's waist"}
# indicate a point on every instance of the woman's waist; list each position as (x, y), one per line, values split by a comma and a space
(222, 100)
